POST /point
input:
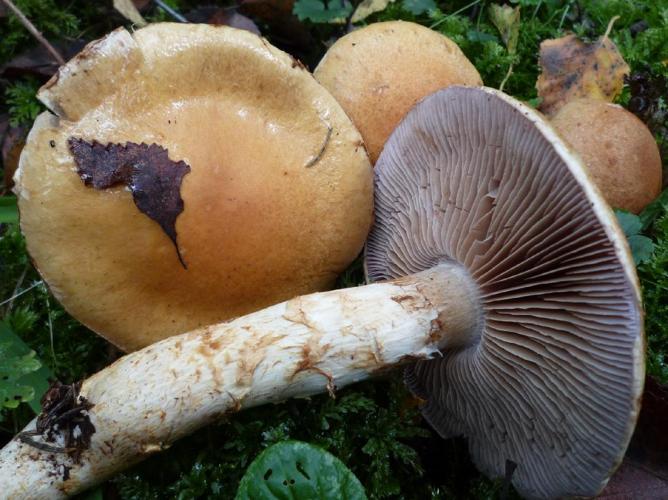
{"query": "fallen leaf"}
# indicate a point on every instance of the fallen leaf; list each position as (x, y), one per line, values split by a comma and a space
(226, 17)
(417, 7)
(39, 62)
(507, 21)
(129, 11)
(573, 69)
(368, 7)
(154, 179)
(12, 144)
(317, 12)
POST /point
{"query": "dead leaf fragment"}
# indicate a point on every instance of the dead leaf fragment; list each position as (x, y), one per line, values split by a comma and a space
(226, 17)
(12, 141)
(368, 7)
(153, 178)
(573, 69)
(507, 21)
(129, 11)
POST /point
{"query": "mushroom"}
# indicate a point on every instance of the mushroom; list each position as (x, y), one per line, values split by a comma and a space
(618, 149)
(187, 175)
(380, 71)
(511, 288)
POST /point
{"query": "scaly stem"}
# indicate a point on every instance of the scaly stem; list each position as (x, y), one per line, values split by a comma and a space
(311, 344)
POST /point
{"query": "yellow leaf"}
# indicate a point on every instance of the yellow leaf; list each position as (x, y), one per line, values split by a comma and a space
(573, 69)
(128, 10)
(368, 7)
(507, 21)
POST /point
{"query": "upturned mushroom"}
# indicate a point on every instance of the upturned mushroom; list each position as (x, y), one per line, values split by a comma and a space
(510, 285)
(617, 148)
(380, 71)
(187, 174)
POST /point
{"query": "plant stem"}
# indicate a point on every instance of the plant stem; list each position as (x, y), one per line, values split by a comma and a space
(34, 31)
(170, 11)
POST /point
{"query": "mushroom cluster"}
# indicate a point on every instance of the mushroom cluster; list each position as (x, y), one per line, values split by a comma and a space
(511, 297)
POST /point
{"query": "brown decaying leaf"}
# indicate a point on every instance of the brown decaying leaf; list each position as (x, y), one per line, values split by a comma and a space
(368, 7)
(507, 21)
(572, 69)
(226, 17)
(129, 11)
(12, 140)
(39, 62)
(154, 179)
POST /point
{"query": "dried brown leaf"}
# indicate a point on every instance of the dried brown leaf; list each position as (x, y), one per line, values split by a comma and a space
(226, 17)
(368, 7)
(12, 140)
(129, 11)
(154, 179)
(573, 69)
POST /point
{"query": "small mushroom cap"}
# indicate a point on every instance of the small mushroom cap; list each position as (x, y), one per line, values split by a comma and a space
(618, 149)
(380, 71)
(277, 202)
(552, 380)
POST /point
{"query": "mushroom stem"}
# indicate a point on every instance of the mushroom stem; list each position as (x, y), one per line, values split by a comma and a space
(150, 398)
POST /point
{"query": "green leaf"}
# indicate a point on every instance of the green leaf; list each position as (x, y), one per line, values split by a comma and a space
(658, 207)
(316, 11)
(417, 7)
(8, 211)
(293, 470)
(23, 378)
(507, 21)
(479, 36)
(369, 7)
(641, 246)
(630, 223)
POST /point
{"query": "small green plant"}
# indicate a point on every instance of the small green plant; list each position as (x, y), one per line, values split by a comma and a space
(318, 11)
(299, 471)
(23, 106)
(641, 246)
(23, 379)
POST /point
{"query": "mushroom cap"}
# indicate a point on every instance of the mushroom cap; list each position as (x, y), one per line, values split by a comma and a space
(277, 202)
(552, 381)
(380, 71)
(617, 148)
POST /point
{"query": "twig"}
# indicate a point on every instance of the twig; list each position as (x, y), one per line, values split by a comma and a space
(507, 480)
(563, 17)
(170, 11)
(16, 295)
(535, 11)
(16, 290)
(505, 78)
(34, 31)
(48, 312)
(454, 14)
(317, 157)
(609, 28)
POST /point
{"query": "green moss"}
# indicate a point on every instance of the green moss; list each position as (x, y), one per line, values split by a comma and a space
(21, 101)
(372, 427)
(654, 279)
